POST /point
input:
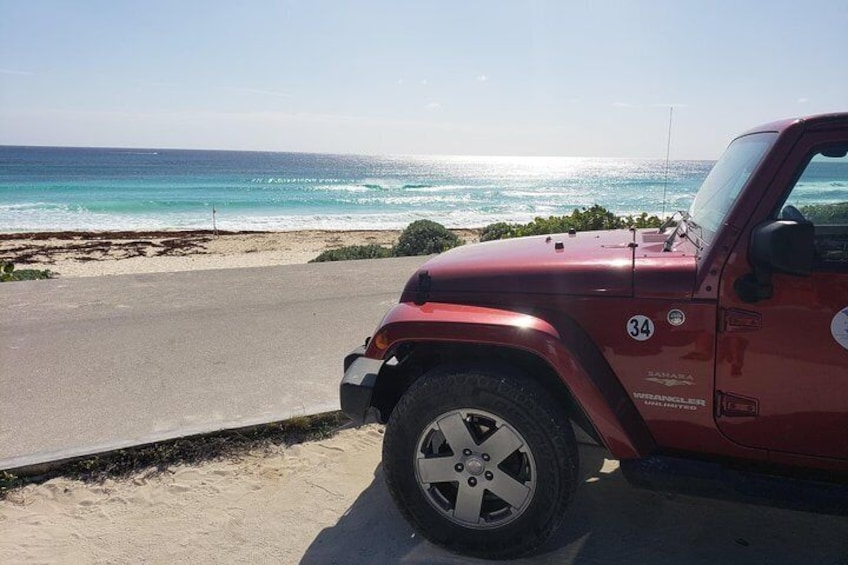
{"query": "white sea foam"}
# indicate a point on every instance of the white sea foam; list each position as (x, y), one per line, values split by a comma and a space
(72, 189)
(391, 220)
(341, 188)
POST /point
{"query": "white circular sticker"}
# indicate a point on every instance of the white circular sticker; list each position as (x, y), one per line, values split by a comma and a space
(640, 328)
(839, 328)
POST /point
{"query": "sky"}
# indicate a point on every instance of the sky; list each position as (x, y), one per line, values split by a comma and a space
(567, 77)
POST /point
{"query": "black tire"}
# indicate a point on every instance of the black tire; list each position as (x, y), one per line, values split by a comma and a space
(484, 399)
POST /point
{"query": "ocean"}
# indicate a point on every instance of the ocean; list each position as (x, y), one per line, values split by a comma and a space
(81, 189)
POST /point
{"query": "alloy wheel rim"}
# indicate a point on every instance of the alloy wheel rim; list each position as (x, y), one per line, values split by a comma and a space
(475, 468)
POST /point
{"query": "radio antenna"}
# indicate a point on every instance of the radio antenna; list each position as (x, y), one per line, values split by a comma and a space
(667, 154)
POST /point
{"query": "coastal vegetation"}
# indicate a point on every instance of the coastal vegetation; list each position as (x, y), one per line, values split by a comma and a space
(597, 217)
(425, 237)
(421, 237)
(593, 218)
(826, 213)
(354, 252)
(8, 273)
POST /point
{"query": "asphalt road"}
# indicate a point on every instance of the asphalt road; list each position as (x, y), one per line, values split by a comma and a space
(93, 364)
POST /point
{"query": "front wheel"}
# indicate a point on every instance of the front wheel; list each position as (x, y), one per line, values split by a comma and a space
(480, 460)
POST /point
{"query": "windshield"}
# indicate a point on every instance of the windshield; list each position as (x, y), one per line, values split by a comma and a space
(725, 181)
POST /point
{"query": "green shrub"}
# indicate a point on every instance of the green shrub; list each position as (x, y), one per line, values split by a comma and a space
(826, 214)
(641, 221)
(353, 252)
(594, 218)
(8, 273)
(587, 219)
(500, 230)
(423, 237)
(8, 482)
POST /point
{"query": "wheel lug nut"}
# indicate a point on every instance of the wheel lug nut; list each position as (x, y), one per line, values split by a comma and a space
(489, 476)
(466, 452)
(472, 482)
(486, 457)
(459, 467)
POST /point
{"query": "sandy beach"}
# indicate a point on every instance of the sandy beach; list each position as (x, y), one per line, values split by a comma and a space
(264, 507)
(87, 254)
(324, 502)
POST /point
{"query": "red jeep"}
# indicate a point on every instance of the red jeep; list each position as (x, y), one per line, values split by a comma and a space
(710, 359)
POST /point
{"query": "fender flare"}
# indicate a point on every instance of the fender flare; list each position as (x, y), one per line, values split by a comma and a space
(597, 392)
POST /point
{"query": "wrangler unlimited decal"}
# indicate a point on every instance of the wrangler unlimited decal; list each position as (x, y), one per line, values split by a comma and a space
(664, 401)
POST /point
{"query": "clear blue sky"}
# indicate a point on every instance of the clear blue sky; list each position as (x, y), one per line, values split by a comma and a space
(580, 78)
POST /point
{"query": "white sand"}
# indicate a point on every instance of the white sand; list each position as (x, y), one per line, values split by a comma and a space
(266, 508)
(325, 502)
(98, 254)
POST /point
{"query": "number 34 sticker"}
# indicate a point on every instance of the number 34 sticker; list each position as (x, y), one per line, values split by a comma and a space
(640, 328)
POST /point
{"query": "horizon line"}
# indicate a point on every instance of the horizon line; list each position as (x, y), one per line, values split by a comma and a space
(341, 154)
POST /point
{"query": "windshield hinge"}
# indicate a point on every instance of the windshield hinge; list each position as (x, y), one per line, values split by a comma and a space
(424, 284)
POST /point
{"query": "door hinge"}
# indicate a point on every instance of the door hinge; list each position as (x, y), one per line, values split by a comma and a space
(732, 405)
(736, 320)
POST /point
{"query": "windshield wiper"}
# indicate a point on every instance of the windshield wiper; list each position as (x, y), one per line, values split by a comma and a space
(664, 226)
(684, 216)
(684, 226)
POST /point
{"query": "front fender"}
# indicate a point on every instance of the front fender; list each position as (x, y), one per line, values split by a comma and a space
(598, 393)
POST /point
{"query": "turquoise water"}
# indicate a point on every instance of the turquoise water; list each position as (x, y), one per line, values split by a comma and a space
(47, 189)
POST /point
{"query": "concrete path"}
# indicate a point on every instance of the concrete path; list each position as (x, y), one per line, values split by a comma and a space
(93, 364)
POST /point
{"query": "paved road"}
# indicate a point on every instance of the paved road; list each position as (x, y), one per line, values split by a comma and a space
(92, 364)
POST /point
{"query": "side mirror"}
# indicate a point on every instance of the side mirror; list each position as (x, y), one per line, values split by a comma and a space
(781, 246)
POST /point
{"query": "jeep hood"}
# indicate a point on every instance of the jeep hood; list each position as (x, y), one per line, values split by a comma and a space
(620, 263)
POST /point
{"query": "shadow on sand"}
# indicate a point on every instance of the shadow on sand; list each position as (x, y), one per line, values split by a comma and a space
(608, 522)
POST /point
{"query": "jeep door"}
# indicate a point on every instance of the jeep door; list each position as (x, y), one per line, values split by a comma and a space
(782, 360)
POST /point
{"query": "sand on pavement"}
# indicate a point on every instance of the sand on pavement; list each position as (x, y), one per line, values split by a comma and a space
(325, 502)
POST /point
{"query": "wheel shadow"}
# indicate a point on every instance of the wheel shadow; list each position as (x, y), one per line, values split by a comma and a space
(608, 522)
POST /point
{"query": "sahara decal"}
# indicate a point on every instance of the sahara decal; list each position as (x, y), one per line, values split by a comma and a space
(670, 379)
(676, 402)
